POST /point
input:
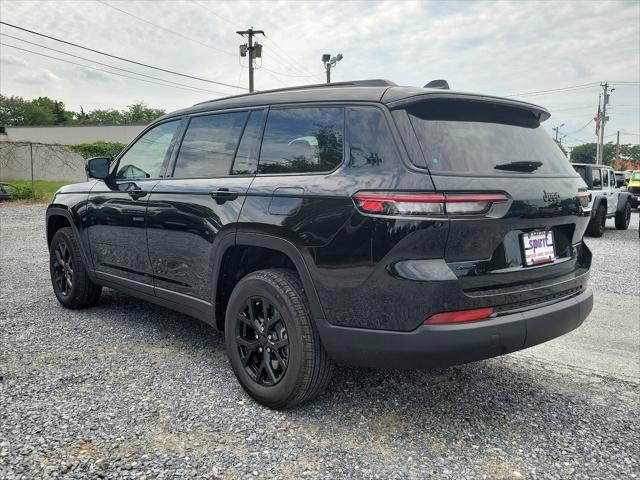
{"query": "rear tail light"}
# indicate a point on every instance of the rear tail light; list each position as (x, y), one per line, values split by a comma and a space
(461, 316)
(585, 198)
(426, 204)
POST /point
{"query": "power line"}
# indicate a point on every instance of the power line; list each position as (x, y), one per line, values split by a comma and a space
(110, 66)
(580, 129)
(164, 28)
(191, 89)
(214, 13)
(122, 58)
(540, 92)
(293, 61)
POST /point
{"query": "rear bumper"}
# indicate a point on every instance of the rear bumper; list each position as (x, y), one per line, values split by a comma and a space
(445, 345)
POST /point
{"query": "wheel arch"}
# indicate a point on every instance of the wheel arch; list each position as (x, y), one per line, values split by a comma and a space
(57, 218)
(623, 199)
(599, 200)
(273, 252)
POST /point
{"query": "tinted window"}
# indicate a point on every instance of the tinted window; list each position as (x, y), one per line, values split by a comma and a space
(597, 178)
(474, 137)
(370, 141)
(247, 155)
(582, 171)
(612, 179)
(300, 140)
(146, 157)
(209, 144)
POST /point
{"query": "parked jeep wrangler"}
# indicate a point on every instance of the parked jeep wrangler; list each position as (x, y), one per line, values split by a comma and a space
(358, 223)
(607, 200)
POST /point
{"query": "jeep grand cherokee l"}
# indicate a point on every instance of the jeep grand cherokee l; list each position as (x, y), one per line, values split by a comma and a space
(359, 223)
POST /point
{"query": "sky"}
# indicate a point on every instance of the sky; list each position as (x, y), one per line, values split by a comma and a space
(498, 48)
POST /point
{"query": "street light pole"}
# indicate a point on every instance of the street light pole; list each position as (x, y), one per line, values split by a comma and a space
(329, 63)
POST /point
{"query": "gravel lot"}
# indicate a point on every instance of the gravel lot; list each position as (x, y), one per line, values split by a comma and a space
(131, 390)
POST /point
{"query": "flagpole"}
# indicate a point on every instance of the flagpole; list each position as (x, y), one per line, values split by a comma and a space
(598, 120)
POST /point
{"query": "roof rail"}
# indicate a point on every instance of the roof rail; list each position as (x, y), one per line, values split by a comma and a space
(353, 83)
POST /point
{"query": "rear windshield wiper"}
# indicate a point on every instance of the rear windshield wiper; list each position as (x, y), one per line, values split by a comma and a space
(519, 166)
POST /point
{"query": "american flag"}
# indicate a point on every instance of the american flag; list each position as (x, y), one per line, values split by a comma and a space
(598, 118)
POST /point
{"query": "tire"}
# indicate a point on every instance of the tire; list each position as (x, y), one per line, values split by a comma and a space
(597, 223)
(299, 371)
(65, 263)
(624, 217)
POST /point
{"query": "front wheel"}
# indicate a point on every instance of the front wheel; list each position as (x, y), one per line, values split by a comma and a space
(597, 223)
(271, 341)
(69, 278)
(624, 217)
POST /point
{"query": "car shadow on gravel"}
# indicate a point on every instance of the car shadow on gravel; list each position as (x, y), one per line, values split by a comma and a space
(494, 389)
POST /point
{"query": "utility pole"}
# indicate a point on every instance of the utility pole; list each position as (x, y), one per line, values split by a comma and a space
(329, 63)
(618, 145)
(557, 133)
(603, 122)
(253, 51)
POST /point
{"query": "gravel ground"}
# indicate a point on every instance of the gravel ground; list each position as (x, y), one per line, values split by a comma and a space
(131, 390)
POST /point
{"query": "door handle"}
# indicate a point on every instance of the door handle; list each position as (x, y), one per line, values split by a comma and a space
(137, 193)
(223, 194)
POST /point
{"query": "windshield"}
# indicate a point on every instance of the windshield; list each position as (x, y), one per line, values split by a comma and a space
(476, 137)
(635, 176)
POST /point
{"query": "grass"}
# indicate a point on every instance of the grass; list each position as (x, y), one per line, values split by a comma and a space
(43, 190)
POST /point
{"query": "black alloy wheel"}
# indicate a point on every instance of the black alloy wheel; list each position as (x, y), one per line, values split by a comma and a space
(272, 342)
(262, 341)
(69, 277)
(63, 268)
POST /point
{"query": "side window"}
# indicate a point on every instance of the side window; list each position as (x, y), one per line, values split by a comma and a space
(246, 161)
(370, 141)
(209, 144)
(612, 179)
(300, 140)
(146, 157)
(597, 179)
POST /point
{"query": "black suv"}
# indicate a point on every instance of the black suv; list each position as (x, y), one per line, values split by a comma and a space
(360, 223)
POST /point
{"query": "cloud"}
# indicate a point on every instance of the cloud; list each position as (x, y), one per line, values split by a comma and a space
(493, 47)
(11, 60)
(37, 77)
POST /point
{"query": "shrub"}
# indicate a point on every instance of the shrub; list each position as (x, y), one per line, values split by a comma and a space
(23, 192)
(98, 149)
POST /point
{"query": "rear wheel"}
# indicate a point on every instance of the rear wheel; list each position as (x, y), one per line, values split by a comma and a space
(624, 217)
(597, 223)
(69, 278)
(272, 343)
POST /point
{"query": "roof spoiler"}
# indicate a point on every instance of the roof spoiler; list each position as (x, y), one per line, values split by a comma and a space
(443, 84)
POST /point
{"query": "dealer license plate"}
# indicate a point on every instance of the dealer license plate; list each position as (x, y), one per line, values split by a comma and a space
(538, 247)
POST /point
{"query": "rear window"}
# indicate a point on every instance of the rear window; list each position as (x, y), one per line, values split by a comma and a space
(473, 137)
(582, 171)
(302, 140)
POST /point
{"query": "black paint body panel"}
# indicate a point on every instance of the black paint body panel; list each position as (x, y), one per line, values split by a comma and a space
(371, 281)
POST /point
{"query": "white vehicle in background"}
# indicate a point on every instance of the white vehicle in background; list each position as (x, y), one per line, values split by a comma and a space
(607, 200)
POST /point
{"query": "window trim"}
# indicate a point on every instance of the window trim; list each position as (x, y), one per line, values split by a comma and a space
(167, 157)
(298, 106)
(171, 165)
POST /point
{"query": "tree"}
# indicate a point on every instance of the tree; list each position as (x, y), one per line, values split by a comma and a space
(11, 110)
(104, 117)
(140, 113)
(16, 111)
(586, 153)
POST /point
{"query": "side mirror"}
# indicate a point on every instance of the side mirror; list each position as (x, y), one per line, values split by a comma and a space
(98, 167)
